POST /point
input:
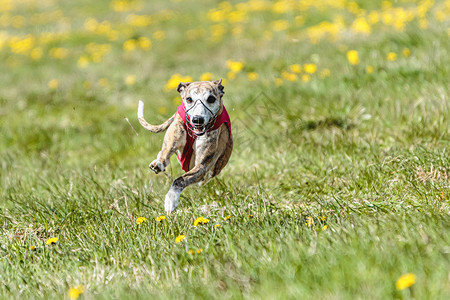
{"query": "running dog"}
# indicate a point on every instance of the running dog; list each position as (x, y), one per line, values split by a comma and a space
(200, 133)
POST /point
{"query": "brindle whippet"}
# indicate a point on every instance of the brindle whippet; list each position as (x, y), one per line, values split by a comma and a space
(199, 132)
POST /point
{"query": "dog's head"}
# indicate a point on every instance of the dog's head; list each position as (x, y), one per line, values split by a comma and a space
(203, 101)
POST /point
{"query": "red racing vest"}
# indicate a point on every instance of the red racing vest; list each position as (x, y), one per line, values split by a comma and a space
(188, 150)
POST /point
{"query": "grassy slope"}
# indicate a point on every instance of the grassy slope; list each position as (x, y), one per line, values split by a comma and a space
(367, 151)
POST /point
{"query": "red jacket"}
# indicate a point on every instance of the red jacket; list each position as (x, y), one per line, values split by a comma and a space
(185, 157)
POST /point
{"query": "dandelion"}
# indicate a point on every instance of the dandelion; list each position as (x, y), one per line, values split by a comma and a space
(201, 221)
(352, 56)
(129, 45)
(75, 292)
(235, 66)
(227, 218)
(391, 56)
(278, 81)
(141, 220)
(199, 251)
(306, 78)
(295, 68)
(51, 241)
(160, 218)
(310, 68)
(369, 69)
(405, 281)
(83, 61)
(217, 226)
(53, 84)
(231, 75)
(180, 238)
(145, 43)
(103, 82)
(324, 227)
(59, 53)
(159, 35)
(406, 52)
(130, 80)
(289, 76)
(36, 53)
(252, 76)
(206, 77)
(250, 216)
(323, 218)
(32, 248)
(280, 25)
(175, 80)
(325, 73)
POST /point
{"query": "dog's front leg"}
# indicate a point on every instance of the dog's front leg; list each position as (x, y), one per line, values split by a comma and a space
(196, 174)
(174, 139)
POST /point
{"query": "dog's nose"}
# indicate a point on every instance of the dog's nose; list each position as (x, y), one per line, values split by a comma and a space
(198, 120)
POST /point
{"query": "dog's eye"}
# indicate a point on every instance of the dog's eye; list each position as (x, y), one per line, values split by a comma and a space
(189, 100)
(211, 99)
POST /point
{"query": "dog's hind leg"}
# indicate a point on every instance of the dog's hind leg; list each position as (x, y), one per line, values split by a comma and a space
(174, 139)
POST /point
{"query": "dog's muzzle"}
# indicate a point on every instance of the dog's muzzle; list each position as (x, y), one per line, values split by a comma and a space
(197, 123)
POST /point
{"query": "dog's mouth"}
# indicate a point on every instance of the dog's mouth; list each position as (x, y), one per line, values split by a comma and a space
(199, 130)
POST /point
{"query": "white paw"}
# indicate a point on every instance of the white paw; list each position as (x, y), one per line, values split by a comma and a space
(171, 201)
(157, 166)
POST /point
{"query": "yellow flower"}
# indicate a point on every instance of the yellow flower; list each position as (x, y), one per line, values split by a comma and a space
(75, 292)
(324, 227)
(391, 56)
(145, 43)
(252, 76)
(36, 53)
(206, 77)
(59, 53)
(353, 57)
(160, 218)
(325, 73)
(227, 218)
(199, 251)
(83, 61)
(306, 78)
(141, 220)
(103, 82)
(217, 226)
(231, 75)
(310, 68)
(280, 25)
(130, 80)
(175, 80)
(129, 45)
(250, 216)
(32, 248)
(235, 66)
(180, 238)
(159, 35)
(369, 69)
(296, 68)
(278, 81)
(405, 281)
(53, 84)
(200, 220)
(289, 76)
(406, 52)
(323, 218)
(310, 221)
(52, 240)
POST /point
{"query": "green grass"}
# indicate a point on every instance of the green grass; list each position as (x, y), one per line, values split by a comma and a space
(364, 154)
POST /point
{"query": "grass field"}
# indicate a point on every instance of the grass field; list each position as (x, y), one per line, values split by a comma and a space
(339, 180)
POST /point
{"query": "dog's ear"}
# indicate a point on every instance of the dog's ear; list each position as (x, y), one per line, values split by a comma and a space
(220, 86)
(182, 86)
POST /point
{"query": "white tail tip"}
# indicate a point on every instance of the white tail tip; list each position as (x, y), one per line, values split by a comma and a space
(140, 113)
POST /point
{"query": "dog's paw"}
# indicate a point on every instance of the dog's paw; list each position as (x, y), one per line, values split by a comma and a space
(171, 201)
(157, 166)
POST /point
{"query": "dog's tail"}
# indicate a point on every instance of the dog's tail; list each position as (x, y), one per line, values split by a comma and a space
(150, 127)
